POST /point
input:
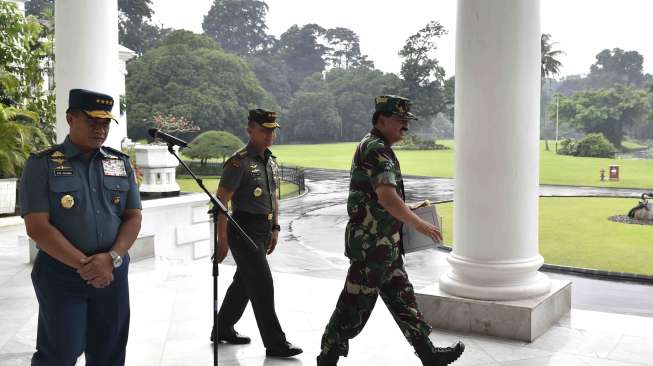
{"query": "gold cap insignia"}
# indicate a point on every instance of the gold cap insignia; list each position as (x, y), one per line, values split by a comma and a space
(258, 192)
(67, 201)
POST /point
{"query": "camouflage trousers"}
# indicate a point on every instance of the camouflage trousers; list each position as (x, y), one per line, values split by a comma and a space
(365, 282)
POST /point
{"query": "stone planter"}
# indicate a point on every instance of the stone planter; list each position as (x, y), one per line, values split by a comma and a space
(8, 195)
(158, 168)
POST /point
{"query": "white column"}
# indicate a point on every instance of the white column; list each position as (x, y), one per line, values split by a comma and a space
(86, 54)
(495, 254)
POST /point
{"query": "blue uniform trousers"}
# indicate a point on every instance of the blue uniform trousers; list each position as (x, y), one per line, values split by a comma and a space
(75, 318)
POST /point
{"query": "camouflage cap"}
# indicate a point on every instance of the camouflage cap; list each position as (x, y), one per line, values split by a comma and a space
(394, 104)
(267, 119)
(94, 104)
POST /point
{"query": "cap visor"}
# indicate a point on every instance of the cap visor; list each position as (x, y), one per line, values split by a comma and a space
(101, 114)
(406, 116)
(270, 125)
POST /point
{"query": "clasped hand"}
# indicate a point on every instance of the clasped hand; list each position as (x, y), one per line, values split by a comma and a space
(97, 270)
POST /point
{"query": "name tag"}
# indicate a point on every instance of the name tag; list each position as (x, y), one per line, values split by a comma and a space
(114, 167)
(64, 170)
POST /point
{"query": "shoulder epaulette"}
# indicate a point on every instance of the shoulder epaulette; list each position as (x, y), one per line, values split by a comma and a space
(235, 158)
(115, 151)
(47, 151)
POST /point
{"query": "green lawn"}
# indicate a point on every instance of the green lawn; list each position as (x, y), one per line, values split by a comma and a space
(576, 232)
(188, 184)
(554, 169)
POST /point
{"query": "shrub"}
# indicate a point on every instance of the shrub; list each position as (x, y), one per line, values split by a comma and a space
(567, 147)
(213, 144)
(416, 142)
(594, 145)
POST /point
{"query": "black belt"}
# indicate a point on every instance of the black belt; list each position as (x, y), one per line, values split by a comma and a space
(248, 215)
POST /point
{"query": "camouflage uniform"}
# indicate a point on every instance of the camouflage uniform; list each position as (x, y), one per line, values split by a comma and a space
(373, 245)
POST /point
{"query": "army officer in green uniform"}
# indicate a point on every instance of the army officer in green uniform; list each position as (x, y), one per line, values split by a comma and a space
(373, 243)
(249, 182)
(82, 207)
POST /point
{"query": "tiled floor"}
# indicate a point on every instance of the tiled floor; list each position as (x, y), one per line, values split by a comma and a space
(171, 322)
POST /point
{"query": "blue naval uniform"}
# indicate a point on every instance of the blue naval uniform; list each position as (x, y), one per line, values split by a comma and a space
(85, 198)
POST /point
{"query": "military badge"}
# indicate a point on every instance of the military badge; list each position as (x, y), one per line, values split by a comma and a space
(67, 201)
(114, 167)
(116, 200)
(58, 157)
(235, 163)
(258, 192)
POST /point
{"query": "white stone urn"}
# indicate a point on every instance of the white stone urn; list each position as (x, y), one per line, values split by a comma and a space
(158, 168)
(8, 195)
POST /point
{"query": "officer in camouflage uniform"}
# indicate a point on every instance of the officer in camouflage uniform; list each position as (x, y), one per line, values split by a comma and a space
(249, 181)
(82, 207)
(377, 212)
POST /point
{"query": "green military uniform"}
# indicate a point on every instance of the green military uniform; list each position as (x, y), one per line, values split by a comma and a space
(253, 180)
(373, 245)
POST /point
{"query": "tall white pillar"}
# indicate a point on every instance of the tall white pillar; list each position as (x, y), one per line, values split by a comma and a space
(495, 254)
(86, 56)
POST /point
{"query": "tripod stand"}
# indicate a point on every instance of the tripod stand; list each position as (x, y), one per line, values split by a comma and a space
(216, 209)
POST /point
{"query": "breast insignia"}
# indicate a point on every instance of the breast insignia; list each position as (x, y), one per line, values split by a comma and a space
(67, 201)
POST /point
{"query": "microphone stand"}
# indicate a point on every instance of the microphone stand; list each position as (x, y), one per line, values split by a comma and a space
(218, 208)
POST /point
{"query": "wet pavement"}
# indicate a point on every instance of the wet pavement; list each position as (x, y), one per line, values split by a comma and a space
(313, 240)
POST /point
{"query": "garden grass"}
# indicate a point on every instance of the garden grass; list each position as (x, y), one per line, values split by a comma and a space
(554, 169)
(576, 232)
(187, 184)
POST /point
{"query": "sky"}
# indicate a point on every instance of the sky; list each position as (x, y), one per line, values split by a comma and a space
(582, 28)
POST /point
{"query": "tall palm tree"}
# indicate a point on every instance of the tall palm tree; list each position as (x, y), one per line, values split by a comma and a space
(550, 65)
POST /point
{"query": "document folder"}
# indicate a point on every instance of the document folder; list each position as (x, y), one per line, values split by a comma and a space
(413, 240)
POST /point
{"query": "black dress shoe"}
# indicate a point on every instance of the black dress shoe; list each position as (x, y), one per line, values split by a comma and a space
(283, 350)
(231, 336)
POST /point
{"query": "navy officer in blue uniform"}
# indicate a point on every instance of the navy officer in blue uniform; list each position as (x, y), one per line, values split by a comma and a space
(249, 182)
(82, 207)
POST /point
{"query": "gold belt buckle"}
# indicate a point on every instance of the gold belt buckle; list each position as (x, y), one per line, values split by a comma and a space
(270, 216)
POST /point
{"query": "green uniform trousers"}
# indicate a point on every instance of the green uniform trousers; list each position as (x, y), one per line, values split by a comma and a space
(366, 280)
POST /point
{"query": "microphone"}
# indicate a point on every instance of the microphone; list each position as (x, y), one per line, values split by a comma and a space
(155, 133)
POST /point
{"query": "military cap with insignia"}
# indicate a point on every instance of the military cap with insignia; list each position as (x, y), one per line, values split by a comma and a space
(394, 104)
(94, 104)
(267, 119)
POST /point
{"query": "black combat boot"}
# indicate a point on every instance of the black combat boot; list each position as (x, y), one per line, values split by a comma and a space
(328, 359)
(437, 356)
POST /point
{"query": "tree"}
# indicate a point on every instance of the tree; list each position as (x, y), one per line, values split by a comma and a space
(190, 76)
(273, 74)
(213, 144)
(344, 49)
(449, 92)
(421, 71)
(353, 92)
(38, 7)
(238, 25)
(312, 117)
(18, 137)
(606, 111)
(135, 30)
(617, 67)
(550, 65)
(302, 52)
(25, 57)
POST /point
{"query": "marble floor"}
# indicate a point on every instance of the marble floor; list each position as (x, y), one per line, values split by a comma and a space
(171, 322)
